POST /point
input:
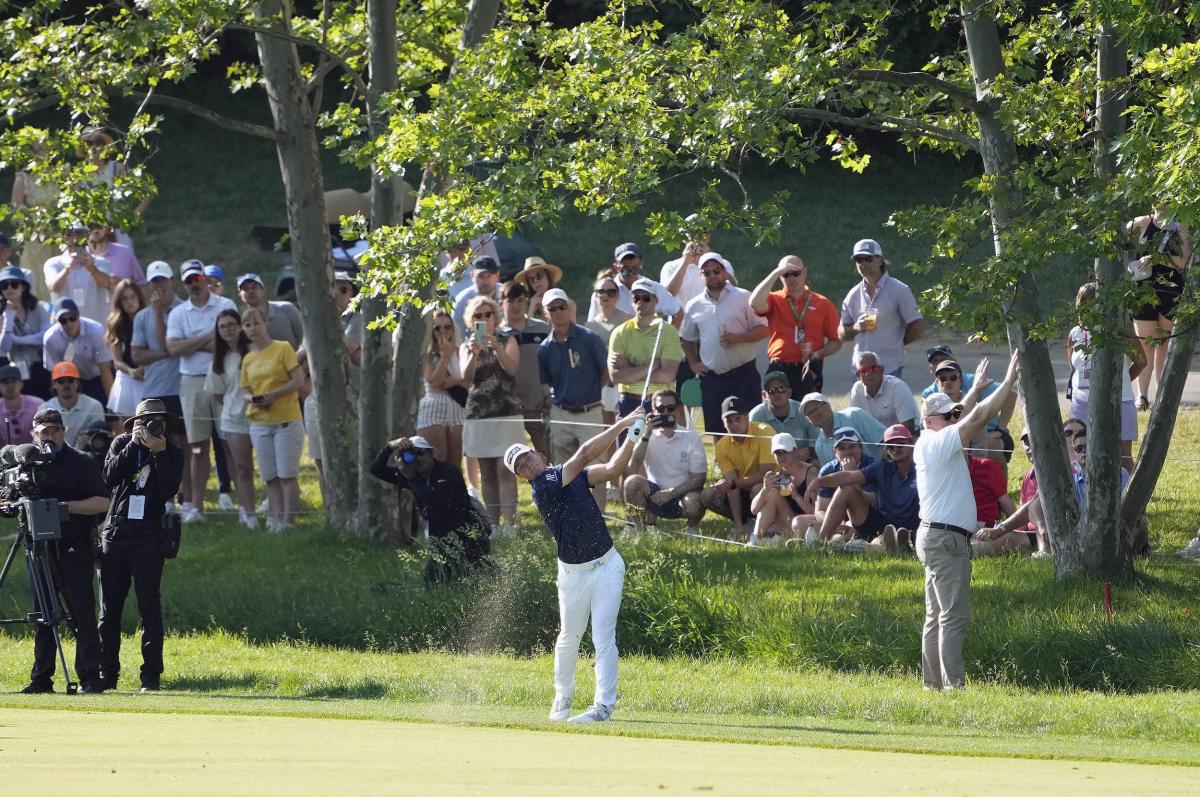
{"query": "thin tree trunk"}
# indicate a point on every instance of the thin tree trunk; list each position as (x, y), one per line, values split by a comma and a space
(408, 343)
(300, 165)
(377, 515)
(999, 154)
(1102, 548)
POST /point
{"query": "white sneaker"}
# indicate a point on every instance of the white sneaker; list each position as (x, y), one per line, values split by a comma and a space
(753, 541)
(277, 526)
(247, 519)
(171, 508)
(1191, 550)
(191, 514)
(1041, 555)
(225, 502)
(597, 713)
(560, 709)
(265, 506)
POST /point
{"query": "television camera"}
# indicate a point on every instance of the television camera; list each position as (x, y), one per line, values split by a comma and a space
(39, 525)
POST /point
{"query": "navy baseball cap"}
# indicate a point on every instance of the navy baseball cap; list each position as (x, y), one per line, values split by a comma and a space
(65, 305)
(486, 263)
(734, 405)
(628, 249)
(938, 351)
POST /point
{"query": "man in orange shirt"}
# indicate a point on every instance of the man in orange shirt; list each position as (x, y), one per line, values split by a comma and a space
(803, 324)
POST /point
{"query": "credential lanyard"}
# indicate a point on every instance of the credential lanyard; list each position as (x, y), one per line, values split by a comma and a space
(800, 316)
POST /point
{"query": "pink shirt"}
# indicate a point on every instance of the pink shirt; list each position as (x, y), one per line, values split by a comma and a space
(16, 427)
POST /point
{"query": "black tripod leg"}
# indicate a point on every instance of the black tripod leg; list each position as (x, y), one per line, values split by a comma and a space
(48, 602)
(8, 560)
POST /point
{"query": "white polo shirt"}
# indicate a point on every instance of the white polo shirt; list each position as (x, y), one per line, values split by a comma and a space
(670, 461)
(894, 403)
(85, 415)
(189, 321)
(705, 319)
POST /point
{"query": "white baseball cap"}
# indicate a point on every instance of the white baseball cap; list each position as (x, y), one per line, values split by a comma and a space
(938, 403)
(514, 454)
(783, 442)
(645, 286)
(159, 269)
(707, 256)
(555, 294)
(416, 441)
(811, 397)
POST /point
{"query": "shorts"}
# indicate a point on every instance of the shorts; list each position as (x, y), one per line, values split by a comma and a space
(277, 449)
(230, 426)
(1168, 285)
(872, 526)
(125, 395)
(199, 408)
(610, 397)
(486, 438)
(1079, 410)
(438, 409)
(723, 506)
(671, 510)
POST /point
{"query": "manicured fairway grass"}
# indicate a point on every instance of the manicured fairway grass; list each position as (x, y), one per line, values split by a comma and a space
(133, 753)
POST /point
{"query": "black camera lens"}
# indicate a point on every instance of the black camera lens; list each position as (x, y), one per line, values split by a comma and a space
(155, 427)
(408, 456)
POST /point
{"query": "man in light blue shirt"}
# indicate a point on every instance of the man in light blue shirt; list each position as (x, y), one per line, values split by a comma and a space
(781, 412)
(817, 411)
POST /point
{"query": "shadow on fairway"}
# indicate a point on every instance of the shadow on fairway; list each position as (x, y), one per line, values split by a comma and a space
(229, 685)
(367, 689)
(754, 726)
(213, 683)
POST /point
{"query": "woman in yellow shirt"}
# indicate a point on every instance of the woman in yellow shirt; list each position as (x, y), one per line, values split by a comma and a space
(271, 379)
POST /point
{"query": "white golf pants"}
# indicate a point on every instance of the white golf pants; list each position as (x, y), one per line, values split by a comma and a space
(592, 589)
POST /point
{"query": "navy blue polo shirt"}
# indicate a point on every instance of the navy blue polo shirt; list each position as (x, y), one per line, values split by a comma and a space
(572, 516)
(573, 367)
(835, 466)
(897, 496)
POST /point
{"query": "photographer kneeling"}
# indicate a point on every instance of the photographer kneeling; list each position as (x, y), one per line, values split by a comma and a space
(73, 478)
(458, 533)
(143, 470)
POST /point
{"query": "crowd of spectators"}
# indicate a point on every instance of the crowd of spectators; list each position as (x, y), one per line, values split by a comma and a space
(517, 360)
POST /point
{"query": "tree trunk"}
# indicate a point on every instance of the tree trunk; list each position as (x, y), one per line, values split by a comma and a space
(999, 154)
(1101, 546)
(303, 184)
(377, 511)
(408, 343)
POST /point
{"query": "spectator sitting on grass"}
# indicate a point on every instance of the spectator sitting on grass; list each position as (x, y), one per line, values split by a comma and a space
(995, 437)
(1141, 541)
(744, 457)
(887, 398)
(848, 485)
(675, 468)
(782, 412)
(817, 411)
(782, 508)
(1018, 533)
(458, 533)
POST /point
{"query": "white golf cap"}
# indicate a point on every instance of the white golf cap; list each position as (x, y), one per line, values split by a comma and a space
(555, 294)
(811, 397)
(707, 256)
(938, 403)
(514, 454)
(867, 246)
(783, 442)
(159, 269)
(416, 441)
(645, 286)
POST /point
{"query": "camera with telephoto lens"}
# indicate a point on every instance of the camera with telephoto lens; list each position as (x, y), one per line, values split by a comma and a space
(155, 427)
(94, 442)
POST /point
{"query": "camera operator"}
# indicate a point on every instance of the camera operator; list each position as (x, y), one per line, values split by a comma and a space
(457, 531)
(73, 478)
(143, 470)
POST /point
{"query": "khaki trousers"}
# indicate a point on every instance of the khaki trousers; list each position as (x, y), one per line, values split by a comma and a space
(947, 559)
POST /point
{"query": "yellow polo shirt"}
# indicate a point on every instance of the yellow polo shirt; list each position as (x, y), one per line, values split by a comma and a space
(746, 454)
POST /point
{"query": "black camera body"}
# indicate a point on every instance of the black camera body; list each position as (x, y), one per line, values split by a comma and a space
(24, 472)
(94, 442)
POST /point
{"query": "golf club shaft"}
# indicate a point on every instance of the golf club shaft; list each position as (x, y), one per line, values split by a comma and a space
(653, 357)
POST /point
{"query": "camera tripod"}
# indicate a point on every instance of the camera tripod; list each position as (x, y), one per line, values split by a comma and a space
(38, 527)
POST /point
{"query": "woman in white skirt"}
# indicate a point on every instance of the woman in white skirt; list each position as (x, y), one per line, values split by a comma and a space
(440, 414)
(494, 421)
(224, 380)
(127, 387)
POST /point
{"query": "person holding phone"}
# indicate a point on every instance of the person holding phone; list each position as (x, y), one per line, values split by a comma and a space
(80, 276)
(490, 358)
(675, 467)
(271, 378)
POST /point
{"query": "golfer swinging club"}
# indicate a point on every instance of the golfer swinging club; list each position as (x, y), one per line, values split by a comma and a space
(591, 573)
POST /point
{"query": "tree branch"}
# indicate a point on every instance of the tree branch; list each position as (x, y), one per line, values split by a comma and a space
(359, 84)
(883, 122)
(963, 96)
(220, 120)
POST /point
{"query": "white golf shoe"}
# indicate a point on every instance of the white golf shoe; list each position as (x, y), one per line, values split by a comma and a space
(1191, 550)
(225, 502)
(597, 713)
(560, 709)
